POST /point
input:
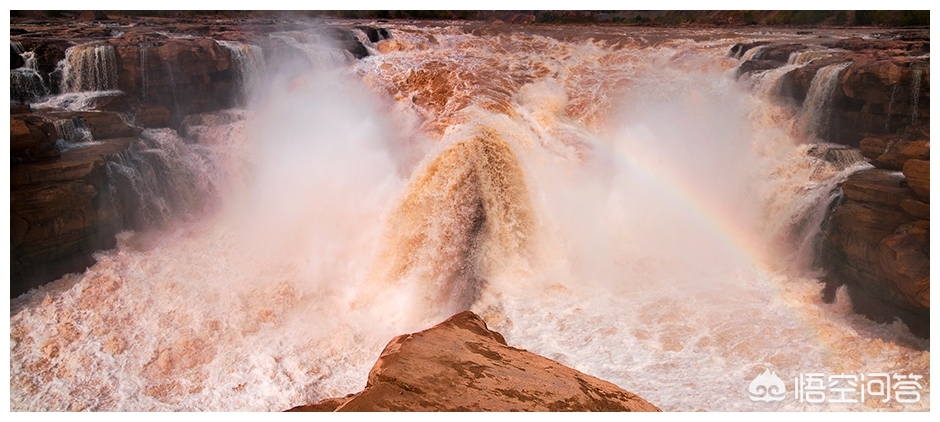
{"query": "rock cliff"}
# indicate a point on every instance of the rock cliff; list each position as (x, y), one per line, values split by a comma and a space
(150, 73)
(461, 365)
(885, 88)
(877, 235)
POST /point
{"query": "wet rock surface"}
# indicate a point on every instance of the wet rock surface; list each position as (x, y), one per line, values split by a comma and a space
(885, 89)
(876, 241)
(157, 72)
(461, 365)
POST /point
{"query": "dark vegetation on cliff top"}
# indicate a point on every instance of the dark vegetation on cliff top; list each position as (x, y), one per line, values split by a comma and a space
(836, 18)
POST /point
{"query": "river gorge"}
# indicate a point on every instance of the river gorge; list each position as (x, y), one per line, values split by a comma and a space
(238, 215)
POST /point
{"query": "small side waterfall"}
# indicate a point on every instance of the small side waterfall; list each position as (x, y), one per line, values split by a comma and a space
(916, 75)
(767, 83)
(157, 178)
(315, 49)
(144, 81)
(815, 116)
(805, 57)
(894, 94)
(754, 53)
(89, 67)
(248, 60)
(73, 133)
(26, 84)
(73, 130)
(805, 184)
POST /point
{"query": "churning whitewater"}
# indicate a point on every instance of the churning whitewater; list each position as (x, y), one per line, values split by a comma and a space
(617, 202)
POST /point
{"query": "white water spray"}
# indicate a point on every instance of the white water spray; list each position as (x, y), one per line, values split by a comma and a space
(248, 60)
(814, 117)
(609, 208)
(89, 67)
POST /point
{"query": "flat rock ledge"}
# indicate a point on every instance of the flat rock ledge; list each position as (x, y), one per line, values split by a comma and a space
(461, 365)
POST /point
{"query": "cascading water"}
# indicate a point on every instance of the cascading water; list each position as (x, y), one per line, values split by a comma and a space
(26, 84)
(805, 57)
(894, 94)
(754, 53)
(144, 73)
(916, 74)
(157, 179)
(87, 73)
(815, 115)
(89, 67)
(73, 132)
(314, 48)
(249, 66)
(630, 212)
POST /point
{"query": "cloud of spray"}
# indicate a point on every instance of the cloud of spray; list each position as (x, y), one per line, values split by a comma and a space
(652, 200)
(328, 166)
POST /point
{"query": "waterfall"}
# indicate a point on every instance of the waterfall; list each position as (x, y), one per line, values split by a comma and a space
(816, 113)
(805, 57)
(805, 184)
(915, 92)
(482, 222)
(73, 129)
(144, 73)
(894, 93)
(31, 62)
(248, 60)
(73, 133)
(754, 53)
(26, 84)
(89, 67)
(629, 211)
(157, 179)
(314, 48)
(767, 83)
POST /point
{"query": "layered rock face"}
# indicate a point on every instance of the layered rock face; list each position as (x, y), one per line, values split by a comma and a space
(131, 74)
(884, 88)
(878, 242)
(461, 365)
(59, 209)
(164, 69)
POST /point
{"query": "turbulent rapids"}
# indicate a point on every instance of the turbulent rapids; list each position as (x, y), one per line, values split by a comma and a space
(618, 202)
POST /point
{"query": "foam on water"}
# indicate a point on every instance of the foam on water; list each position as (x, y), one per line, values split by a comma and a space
(631, 212)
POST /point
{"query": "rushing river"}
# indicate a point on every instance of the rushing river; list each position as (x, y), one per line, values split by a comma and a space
(616, 201)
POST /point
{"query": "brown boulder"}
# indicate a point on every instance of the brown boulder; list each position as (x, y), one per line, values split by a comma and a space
(857, 230)
(148, 115)
(460, 365)
(32, 138)
(182, 75)
(878, 186)
(916, 208)
(905, 259)
(102, 124)
(872, 148)
(918, 177)
(892, 154)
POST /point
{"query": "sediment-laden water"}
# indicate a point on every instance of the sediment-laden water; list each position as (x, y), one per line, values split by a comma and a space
(616, 201)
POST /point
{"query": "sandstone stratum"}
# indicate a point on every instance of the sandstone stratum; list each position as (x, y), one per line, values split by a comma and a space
(460, 365)
(878, 232)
